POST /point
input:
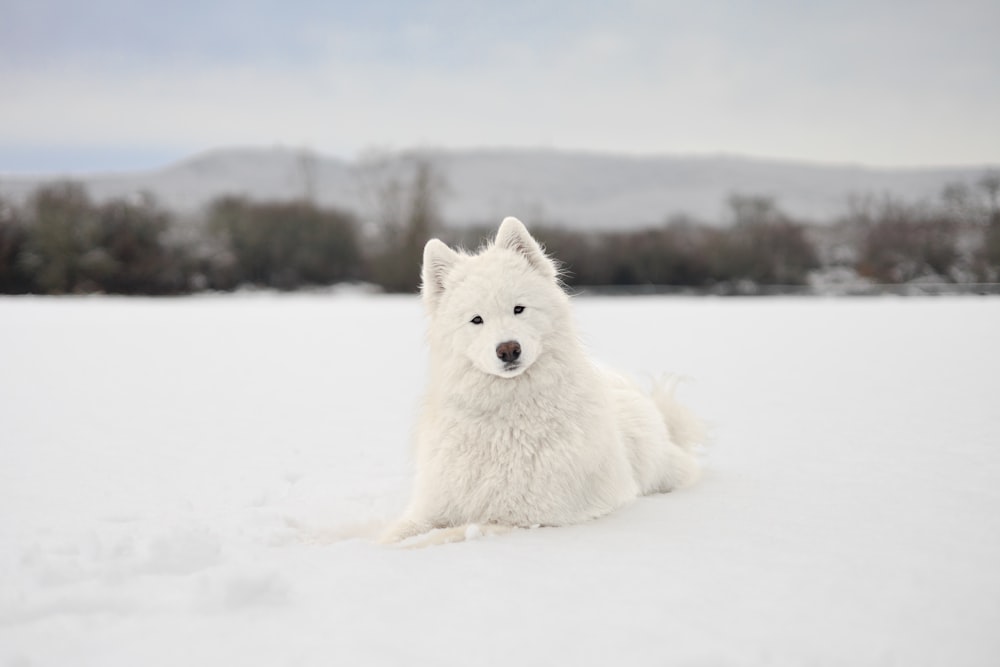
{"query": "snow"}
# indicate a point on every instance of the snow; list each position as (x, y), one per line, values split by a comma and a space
(195, 481)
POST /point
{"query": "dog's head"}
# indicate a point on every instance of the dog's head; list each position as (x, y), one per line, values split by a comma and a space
(498, 307)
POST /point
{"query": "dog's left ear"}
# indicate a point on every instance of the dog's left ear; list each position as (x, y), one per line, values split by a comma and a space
(514, 236)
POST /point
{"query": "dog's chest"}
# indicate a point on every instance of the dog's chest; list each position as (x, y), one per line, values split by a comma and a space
(509, 444)
(511, 467)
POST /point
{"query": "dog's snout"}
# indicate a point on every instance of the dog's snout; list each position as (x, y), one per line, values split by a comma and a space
(508, 351)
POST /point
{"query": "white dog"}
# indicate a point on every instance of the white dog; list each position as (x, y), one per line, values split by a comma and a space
(519, 427)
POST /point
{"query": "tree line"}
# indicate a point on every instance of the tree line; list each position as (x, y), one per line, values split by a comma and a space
(60, 241)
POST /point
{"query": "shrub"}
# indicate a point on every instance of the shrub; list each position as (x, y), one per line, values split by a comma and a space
(14, 279)
(284, 245)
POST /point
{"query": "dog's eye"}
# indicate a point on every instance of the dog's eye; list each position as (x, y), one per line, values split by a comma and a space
(518, 310)
(477, 320)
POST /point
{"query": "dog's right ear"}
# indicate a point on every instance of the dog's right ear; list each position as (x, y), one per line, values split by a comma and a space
(438, 262)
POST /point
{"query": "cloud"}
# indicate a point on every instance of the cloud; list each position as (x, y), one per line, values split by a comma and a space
(883, 83)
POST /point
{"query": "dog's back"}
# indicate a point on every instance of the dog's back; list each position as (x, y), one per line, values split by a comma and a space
(659, 433)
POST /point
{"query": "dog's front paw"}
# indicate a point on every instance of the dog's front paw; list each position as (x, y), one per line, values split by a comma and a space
(401, 530)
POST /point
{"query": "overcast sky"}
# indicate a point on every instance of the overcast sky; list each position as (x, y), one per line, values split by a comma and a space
(119, 84)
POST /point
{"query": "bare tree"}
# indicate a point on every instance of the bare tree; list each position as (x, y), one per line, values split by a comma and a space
(308, 164)
(753, 209)
(12, 240)
(403, 195)
(764, 245)
(990, 183)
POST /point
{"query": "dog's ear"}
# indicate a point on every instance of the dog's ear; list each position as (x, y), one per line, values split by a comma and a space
(513, 236)
(438, 260)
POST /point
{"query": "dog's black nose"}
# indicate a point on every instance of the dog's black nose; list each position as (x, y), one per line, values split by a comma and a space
(509, 351)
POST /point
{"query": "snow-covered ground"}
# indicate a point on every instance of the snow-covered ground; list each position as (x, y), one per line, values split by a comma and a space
(191, 482)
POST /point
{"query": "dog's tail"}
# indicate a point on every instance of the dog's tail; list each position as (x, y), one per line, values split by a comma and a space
(686, 429)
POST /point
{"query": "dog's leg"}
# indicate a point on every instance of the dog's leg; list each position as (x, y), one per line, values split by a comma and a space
(466, 533)
(403, 529)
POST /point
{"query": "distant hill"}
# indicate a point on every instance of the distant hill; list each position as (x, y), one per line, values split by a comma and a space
(583, 190)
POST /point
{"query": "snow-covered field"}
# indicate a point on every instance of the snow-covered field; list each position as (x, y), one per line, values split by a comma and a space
(191, 482)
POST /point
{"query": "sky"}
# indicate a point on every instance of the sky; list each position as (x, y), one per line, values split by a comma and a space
(111, 85)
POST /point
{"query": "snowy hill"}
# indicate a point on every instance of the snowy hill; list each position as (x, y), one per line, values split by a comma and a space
(586, 190)
(169, 497)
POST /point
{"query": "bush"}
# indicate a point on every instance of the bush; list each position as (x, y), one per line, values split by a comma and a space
(282, 245)
(989, 253)
(14, 279)
(61, 243)
(60, 227)
(901, 243)
(130, 255)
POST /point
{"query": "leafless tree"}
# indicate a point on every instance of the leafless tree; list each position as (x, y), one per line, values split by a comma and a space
(990, 184)
(403, 194)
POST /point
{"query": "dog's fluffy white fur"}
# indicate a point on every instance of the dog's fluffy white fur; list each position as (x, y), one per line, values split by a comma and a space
(519, 427)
